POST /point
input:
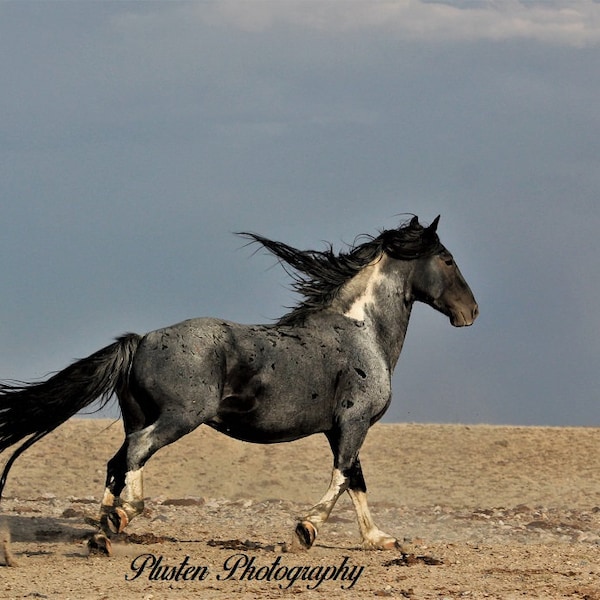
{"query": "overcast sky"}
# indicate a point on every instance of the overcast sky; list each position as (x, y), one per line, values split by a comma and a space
(135, 137)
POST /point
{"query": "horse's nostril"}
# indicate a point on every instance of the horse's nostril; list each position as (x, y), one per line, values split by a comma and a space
(476, 311)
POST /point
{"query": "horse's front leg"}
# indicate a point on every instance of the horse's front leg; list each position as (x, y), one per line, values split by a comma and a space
(308, 526)
(373, 537)
(347, 476)
(345, 441)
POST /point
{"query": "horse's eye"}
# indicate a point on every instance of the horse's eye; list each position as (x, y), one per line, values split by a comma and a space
(449, 261)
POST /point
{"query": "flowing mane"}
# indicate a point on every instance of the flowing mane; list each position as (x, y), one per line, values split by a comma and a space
(319, 274)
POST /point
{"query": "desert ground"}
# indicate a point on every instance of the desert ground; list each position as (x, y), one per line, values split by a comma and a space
(482, 512)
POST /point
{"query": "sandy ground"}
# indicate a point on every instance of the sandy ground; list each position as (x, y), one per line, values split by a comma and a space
(484, 512)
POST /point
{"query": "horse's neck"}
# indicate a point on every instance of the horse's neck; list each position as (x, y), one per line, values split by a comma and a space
(377, 296)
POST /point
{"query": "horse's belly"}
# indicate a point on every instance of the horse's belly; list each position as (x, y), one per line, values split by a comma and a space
(259, 435)
(265, 421)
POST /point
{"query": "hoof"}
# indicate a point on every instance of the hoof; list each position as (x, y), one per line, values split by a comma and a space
(117, 520)
(100, 544)
(391, 544)
(306, 534)
(387, 543)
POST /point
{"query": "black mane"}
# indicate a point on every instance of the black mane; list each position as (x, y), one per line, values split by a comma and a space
(318, 275)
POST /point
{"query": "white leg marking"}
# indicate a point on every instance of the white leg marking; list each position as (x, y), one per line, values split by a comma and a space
(319, 513)
(372, 536)
(134, 487)
(108, 499)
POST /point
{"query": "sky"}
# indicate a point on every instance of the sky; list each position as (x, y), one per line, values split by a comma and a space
(137, 137)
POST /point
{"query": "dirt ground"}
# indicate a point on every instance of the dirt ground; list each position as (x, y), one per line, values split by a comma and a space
(484, 512)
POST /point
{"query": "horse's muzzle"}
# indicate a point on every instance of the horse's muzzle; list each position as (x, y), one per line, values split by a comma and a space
(465, 318)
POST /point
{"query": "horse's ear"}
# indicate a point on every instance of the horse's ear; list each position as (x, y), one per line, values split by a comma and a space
(433, 227)
(414, 222)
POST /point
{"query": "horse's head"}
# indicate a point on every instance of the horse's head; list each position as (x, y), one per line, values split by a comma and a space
(438, 282)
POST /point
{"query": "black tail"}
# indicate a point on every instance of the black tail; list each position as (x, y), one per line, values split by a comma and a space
(36, 409)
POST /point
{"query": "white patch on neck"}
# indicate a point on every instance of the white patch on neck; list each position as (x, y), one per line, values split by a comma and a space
(366, 297)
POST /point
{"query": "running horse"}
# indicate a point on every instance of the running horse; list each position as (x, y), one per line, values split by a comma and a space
(325, 367)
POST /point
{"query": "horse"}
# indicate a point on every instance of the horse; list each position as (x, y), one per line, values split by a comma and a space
(324, 367)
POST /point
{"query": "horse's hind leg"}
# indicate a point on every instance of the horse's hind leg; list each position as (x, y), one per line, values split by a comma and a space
(115, 477)
(112, 514)
(123, 497)
(124, 475)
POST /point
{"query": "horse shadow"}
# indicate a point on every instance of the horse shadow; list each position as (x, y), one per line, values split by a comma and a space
(40, 529)
(47, 531)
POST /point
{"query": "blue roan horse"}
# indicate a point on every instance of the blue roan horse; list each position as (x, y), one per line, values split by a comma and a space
(325, 367)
